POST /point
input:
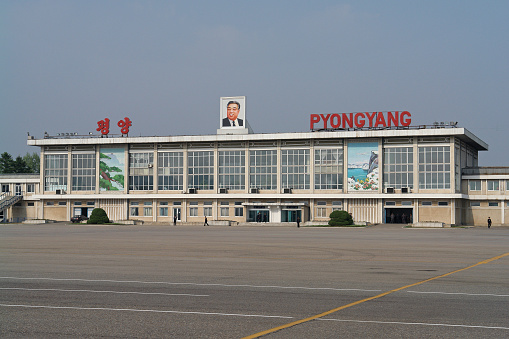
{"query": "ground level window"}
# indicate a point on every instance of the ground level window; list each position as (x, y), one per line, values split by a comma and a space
(134, 211)
(193, 211)
(443, 203)
(163, 211)
(493, 204)
(207, 211)
(147, 211)
(321, 212)
(239, 211)
(225, 211)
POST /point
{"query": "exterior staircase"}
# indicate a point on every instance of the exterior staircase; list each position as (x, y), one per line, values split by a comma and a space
(7, 199)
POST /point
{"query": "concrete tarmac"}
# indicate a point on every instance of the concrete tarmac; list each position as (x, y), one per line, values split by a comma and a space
(67, 281)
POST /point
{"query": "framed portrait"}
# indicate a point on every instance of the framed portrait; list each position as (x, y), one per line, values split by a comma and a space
(232, 112)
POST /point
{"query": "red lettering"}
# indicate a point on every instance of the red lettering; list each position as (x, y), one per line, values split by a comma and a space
(314, 119)
(371, 117)
(405, 122)
(358, 123)
(380, 120)
(325, 119)
(393, 118)
(347, 118)
(104, 126)
(337, 118)
(124, 125)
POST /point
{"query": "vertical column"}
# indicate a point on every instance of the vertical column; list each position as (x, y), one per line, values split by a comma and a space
(154, 170)
(69, 169)
(312, 166)
(246, 168)
(415, 188)
(185, 171)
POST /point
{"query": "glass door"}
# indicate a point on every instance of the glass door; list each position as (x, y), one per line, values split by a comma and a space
(290, 215)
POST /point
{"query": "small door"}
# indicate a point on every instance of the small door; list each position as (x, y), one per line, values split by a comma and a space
(176, 212)
(17, 189)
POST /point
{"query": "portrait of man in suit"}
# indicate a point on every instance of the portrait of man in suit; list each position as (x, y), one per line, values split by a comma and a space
(232, 113)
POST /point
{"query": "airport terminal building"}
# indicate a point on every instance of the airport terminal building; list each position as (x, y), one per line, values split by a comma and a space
(375, 165)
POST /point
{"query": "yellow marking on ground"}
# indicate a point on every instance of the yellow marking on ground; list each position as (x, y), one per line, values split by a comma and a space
(275, 329)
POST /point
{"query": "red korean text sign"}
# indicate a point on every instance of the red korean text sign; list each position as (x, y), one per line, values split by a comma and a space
(104, 126)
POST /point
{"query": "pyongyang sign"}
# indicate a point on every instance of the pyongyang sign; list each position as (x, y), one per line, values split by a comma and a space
(360, 120)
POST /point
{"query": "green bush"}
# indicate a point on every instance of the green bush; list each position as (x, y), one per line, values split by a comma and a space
(340, 218)
(98, 216)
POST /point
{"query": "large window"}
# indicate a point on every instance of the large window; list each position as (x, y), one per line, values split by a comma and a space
(141, 171)
(83, 172)
(493, 185)
(295, 168)
(232, 170)
(328, 169)
(398, 167)
(55, 172)
(263, 169)
(474, 185)
(170, 171)
(200, 167)
(434, 167)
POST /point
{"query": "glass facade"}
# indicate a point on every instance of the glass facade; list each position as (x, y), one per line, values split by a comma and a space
(141, 171)
(55, 172)
(295, 168)
(232, 170)
(263, 169)
(434, 167)
(328, 169)
(170, 171)
(200, 169)
(83, 172)
(398, 167)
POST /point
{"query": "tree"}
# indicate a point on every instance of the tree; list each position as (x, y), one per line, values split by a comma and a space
(33, 162)
(6, 163)
(98, 216)
(340, 218)
(20, 166)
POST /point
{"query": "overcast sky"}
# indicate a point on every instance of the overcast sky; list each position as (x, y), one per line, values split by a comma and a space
(164, 64)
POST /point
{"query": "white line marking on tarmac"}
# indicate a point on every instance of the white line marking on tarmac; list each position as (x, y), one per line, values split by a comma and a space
(93, 291)
(246, 315)
(144, 310)
(423, 324)
(459, 293)
(192, 284)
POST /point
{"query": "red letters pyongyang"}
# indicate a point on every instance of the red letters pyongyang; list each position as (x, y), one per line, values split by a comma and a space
(360, 120)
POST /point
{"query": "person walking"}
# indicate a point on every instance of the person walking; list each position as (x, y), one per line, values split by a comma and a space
(489, 222)
(175, 220)
(206, 222)
(298, 222)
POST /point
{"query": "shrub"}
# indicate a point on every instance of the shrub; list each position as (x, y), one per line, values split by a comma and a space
(98, 216)
(340, 218)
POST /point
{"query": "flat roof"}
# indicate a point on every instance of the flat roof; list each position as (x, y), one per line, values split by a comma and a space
(461, 133)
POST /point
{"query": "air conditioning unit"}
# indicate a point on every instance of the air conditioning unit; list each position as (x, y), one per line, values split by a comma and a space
(405, 189)
(287, 190)
(59, 192)
(389, 190)
(253, 190)
(223, 190)
(150, 165)
(192, 190)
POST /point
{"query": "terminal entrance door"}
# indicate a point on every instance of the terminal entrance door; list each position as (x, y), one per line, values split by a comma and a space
(398, 215)
(259, 215)
(86, 211)
(290, 215)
